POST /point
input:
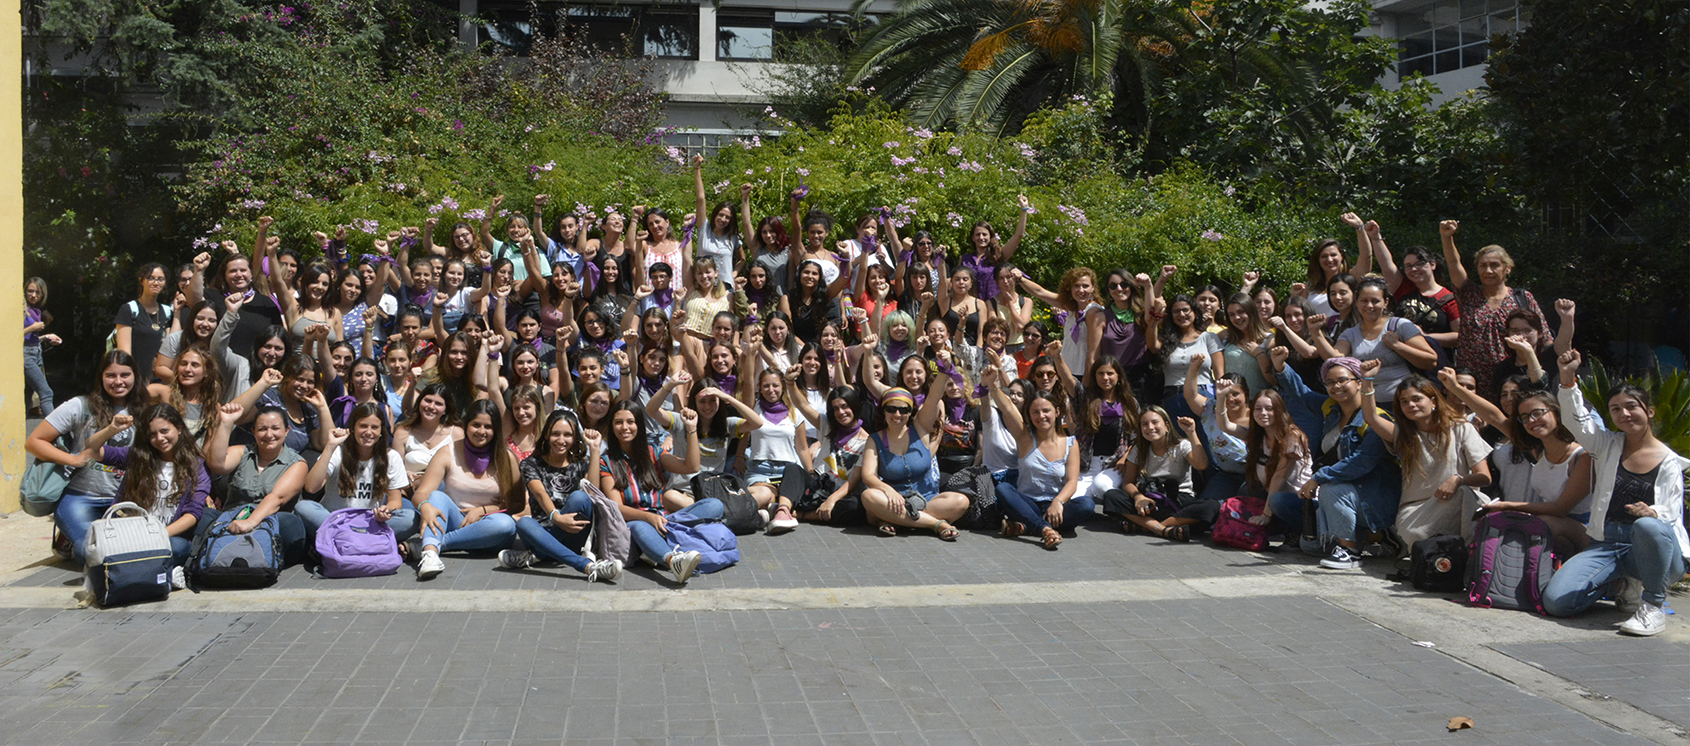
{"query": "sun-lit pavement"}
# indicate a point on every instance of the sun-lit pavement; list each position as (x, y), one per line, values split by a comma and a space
(826, 636)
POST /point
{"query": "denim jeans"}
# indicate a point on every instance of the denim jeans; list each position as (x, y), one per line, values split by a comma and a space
(1287, 510)
(657, 545)
(75, 513)
(403, 522)
(1222, 485)
(492, 532)
(1018, 507)
(179, 547)
(1647, 550)
(554, 543)
(296, 546)
(1339, 508)
(35, 378)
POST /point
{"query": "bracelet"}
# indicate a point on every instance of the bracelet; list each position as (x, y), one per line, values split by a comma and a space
(553, 515)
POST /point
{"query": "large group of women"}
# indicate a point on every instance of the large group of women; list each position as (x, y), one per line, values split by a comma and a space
(850, 374)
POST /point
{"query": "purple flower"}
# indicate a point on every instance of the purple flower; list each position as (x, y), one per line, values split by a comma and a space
(1211, 235)
(954, 151)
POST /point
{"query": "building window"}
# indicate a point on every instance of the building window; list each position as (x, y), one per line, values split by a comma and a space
(664, 31)
(1449, 35)
(768, 36)
(745, 35)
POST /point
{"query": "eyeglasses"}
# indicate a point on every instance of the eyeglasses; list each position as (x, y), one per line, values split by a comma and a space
(590, 322)
(897, 410)
(1534, 415)
(1339, 382)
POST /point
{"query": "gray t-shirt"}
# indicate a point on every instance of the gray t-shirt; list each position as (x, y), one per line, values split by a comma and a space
(71, 419)
(1179, 360)
(720, 249)
(1174, 465)
(1392, 367)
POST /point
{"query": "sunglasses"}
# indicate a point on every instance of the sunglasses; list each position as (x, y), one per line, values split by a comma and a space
(1117, 286)
(897, 410)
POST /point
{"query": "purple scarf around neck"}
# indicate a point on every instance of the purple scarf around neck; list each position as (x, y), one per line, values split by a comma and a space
(843, 436)
(955, 408)
(775, 413)
(479, 459)
(727, 382)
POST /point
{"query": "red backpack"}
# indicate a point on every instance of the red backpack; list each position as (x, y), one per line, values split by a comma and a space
(1233, 527)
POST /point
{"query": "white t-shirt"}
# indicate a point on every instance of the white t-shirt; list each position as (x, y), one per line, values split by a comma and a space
(1179, 360)
(364, 482)
(164, 507)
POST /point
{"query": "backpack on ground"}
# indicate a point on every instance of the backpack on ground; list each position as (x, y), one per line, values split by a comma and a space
(1438, 564)
(739, 508)
(718, 548)
(222, 559)
(129, 556)
(1233, 527)
(354, 544)
(1510, 561)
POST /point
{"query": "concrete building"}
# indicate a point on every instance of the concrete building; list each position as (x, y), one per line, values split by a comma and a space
(711, 55)
(1447, 41)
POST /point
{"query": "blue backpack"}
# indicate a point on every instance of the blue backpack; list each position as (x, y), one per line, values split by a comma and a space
(221, 559)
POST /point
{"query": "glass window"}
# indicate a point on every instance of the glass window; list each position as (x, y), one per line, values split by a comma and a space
(669, 32)
(659, 31)
(1451, 34)
(745, 36)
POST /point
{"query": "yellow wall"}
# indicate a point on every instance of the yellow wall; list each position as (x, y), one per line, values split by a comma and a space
(12, 404)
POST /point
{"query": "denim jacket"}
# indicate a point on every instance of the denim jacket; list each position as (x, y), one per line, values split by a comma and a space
(1363, 459)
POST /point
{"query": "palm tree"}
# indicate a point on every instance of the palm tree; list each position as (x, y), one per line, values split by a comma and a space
(985, 64)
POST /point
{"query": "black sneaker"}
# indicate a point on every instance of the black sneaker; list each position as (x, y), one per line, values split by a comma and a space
(1341, 559)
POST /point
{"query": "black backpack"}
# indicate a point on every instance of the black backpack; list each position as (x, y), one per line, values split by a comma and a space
(1438, 564)
(739, 509)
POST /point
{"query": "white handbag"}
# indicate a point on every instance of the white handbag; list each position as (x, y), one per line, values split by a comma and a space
(129, 557)
(114, 534)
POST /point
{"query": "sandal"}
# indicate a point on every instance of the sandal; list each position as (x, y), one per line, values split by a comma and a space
(945, 531)
(1176, 533)
(886, 529)
(1011, 529)
(1053, 538)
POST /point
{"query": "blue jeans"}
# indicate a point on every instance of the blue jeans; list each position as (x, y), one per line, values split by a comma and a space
(655, 544)
(1222, 485)
(35, 378)
(1647, 550)
(554, 543)
(403, 522)
(179, 546)
(1079, 509)
(492, 532)
(1340, 510)
(1287, 510)
(75, 513)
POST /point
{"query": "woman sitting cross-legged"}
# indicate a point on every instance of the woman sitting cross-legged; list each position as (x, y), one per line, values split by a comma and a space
(1636, 512)
(1161, 465)
(360, 471)
(900, 475)
(1044, 496)
(266, 475)
(559, 511)
(631, 472)
(469, 485)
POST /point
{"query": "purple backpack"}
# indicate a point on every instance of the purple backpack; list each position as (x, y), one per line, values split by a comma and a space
(353, 544)
(1510, 561)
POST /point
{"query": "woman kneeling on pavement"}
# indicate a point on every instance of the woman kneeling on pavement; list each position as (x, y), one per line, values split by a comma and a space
(1636, 512)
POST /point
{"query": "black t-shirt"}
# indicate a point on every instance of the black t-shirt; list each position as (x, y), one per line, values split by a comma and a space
(559, 482)
(146, 335)
(1631, 488)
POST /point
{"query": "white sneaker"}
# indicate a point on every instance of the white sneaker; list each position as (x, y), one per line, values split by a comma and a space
(1628, 594)
(684, 564)
(178, 579)
(429, 565)
(762, 521)
(510, 559)
(604, 571)
(1341, 559)
(1649, 621)
(782, 522)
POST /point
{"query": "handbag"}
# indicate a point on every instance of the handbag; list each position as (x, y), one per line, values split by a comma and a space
(129, 557)
(44, 483)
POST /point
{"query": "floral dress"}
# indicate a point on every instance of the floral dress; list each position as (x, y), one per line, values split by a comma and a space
(1483, 328)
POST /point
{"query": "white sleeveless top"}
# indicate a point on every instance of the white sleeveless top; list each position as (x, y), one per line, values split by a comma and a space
(418, 454)
(1549, 478)
(776, 441)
